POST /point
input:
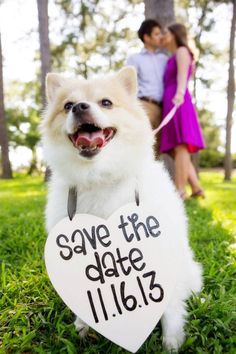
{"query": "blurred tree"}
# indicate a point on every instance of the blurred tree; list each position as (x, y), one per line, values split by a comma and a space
(93, 36)
(5, 161)
(23, 119)
(230, 97)
(45, 63)
(90, 37)
(160, 10)
(44, 44)
(23, 131)
(210, 129)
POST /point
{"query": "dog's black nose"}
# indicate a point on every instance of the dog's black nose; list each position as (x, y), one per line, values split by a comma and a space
(80, 107)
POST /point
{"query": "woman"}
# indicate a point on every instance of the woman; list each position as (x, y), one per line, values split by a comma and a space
(182, 135)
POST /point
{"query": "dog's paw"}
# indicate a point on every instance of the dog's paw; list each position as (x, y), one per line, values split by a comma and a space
(174, 342)
(81, 327)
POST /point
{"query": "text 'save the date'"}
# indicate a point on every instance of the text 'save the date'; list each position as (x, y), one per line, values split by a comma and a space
(114, 264)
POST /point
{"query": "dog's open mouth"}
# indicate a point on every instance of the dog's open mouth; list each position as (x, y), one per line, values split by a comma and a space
(90, 139)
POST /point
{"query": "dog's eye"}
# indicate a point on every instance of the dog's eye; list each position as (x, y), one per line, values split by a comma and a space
(106, 103)
(68, 106)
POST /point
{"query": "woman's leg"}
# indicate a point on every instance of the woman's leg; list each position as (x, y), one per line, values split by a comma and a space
(182, 166)
(193, 179)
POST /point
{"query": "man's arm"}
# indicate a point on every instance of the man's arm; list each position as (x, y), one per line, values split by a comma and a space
(131, 61)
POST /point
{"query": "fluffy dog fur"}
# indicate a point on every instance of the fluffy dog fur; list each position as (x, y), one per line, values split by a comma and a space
(107, 180)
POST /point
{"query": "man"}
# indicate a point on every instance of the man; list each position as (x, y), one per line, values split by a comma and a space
(150, 66)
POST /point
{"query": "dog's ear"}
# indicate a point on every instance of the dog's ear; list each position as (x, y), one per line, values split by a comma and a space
(128, 78)
(53, 83)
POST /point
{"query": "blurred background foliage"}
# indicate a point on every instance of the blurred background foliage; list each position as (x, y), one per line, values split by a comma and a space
(89, 38)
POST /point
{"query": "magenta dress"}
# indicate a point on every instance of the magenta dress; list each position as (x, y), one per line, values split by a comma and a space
(184, 128)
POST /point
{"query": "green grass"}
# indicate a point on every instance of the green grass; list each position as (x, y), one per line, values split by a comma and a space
(34, 320)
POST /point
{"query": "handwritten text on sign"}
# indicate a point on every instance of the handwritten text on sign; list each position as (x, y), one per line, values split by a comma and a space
(115, 264)
(116, 274)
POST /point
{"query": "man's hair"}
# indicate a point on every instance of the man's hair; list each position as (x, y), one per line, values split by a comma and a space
(147, 27)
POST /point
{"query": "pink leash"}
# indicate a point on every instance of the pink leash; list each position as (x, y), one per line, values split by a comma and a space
(166, 120)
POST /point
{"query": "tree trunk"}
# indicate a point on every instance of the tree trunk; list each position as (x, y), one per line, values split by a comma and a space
(33, 163)
(44, 44)
(230, 98)
(45, 53)
(6, 166)
(160, 10)
(163, 12)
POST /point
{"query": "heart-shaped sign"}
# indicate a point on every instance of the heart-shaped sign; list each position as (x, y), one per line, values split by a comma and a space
(118, 274)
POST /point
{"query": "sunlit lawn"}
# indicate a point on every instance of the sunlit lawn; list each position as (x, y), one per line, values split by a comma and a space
(34, 320)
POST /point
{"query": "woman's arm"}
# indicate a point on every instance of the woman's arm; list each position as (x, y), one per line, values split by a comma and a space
(183, 61)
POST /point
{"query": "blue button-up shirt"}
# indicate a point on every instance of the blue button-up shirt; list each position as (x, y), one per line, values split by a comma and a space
(150, 69)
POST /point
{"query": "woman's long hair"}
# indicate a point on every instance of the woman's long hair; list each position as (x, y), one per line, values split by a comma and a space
(181, 36)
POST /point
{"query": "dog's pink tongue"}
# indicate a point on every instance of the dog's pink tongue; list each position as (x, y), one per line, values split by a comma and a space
(95, 139)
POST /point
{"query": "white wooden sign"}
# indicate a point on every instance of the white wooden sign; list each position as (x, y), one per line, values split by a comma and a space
(118, 274)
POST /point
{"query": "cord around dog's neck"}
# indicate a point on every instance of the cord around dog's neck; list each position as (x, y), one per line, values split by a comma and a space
(72, 201)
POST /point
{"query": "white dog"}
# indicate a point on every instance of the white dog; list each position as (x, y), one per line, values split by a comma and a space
(97, 137)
